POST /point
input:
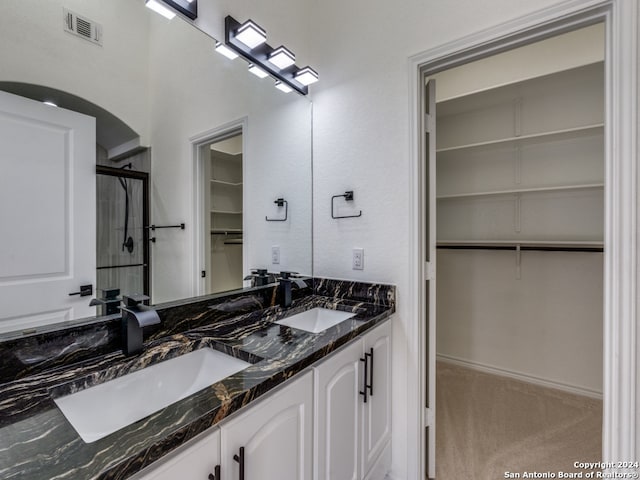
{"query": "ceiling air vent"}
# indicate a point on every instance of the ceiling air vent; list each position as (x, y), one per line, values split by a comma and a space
(82, 27)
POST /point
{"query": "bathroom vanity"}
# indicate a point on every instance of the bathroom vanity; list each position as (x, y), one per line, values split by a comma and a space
(306, 401)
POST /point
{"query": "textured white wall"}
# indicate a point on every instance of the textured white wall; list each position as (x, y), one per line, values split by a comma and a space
(35, 49)
(361, 142)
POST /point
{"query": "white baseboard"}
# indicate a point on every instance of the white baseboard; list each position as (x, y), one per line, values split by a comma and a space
(565, 387)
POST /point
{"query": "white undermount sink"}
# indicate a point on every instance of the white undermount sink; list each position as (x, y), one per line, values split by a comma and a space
(316, 320)
(103, 409)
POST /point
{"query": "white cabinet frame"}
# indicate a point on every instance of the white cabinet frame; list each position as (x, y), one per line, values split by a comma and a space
(621, 432)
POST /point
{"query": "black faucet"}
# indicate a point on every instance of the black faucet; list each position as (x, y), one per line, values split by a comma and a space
(285, 287)
(260, 277)
(134, 317)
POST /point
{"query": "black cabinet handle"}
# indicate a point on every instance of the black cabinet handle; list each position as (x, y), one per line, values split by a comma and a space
(370, 386)
(240, 459)
(366, 374)
(216, 474)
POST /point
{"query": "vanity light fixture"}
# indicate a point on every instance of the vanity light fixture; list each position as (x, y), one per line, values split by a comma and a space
(158, 7)
(257, 71)
(283, 87)
(282, 57)
(306, 76)
(168, 8)
(222, 49)
(251, 34)
(277, 62)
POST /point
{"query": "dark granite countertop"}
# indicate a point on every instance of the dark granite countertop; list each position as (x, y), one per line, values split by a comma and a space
(37, 442)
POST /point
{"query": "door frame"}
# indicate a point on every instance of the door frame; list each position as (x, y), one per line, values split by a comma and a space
(621, 441)
(230, 129)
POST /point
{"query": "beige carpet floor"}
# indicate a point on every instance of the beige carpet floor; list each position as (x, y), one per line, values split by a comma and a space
(487, 425)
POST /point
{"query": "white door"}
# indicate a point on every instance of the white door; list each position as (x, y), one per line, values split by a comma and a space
(376, 427)
(47, 213)
(272, 440)
(337, 389)
(428, 254)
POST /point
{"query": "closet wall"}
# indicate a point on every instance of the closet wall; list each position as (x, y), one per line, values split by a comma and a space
(520, 187)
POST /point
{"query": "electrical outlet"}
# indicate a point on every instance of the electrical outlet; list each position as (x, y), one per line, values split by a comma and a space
(275, 254)
(358, 259)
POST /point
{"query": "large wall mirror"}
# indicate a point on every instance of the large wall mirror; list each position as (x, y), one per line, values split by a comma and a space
(180, 135)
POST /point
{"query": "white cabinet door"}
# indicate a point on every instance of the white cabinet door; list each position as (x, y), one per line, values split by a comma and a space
(337, 415)
(376, 424)
(273, 439)
(196, 460)
(47, 212)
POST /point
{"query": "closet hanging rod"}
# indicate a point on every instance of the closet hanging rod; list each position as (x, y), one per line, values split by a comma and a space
(226, 232)
(539, 248)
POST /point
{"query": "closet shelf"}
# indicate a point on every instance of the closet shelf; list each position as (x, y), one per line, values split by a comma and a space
(560, 188)
(533, 138)
(226, 231)
(227, 212)
(522, 243)
(223, 182)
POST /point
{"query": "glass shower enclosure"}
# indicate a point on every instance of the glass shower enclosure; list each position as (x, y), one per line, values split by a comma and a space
(122, 217)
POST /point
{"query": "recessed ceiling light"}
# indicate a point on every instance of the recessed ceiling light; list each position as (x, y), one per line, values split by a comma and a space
(222, 49)
(158, 7)
(251, 34)
(282, 58)
(49, 102)
(307, 76)
(257, 71)
(283, 87)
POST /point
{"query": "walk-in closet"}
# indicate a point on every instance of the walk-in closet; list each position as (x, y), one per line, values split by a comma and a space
(225, 201)
(520, 221)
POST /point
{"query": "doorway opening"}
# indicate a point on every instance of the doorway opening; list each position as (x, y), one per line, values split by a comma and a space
(220, 174)
(77, 195)
(519, 237)
(620, 189)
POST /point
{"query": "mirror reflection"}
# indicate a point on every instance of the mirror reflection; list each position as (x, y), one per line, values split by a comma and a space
(181, 139)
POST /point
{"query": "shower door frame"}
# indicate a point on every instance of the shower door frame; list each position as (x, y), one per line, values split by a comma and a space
(146, 250)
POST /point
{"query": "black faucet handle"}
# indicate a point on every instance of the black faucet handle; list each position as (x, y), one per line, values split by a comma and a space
(257, 272)
(286, 275)
(134, 299)
(110, 293)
